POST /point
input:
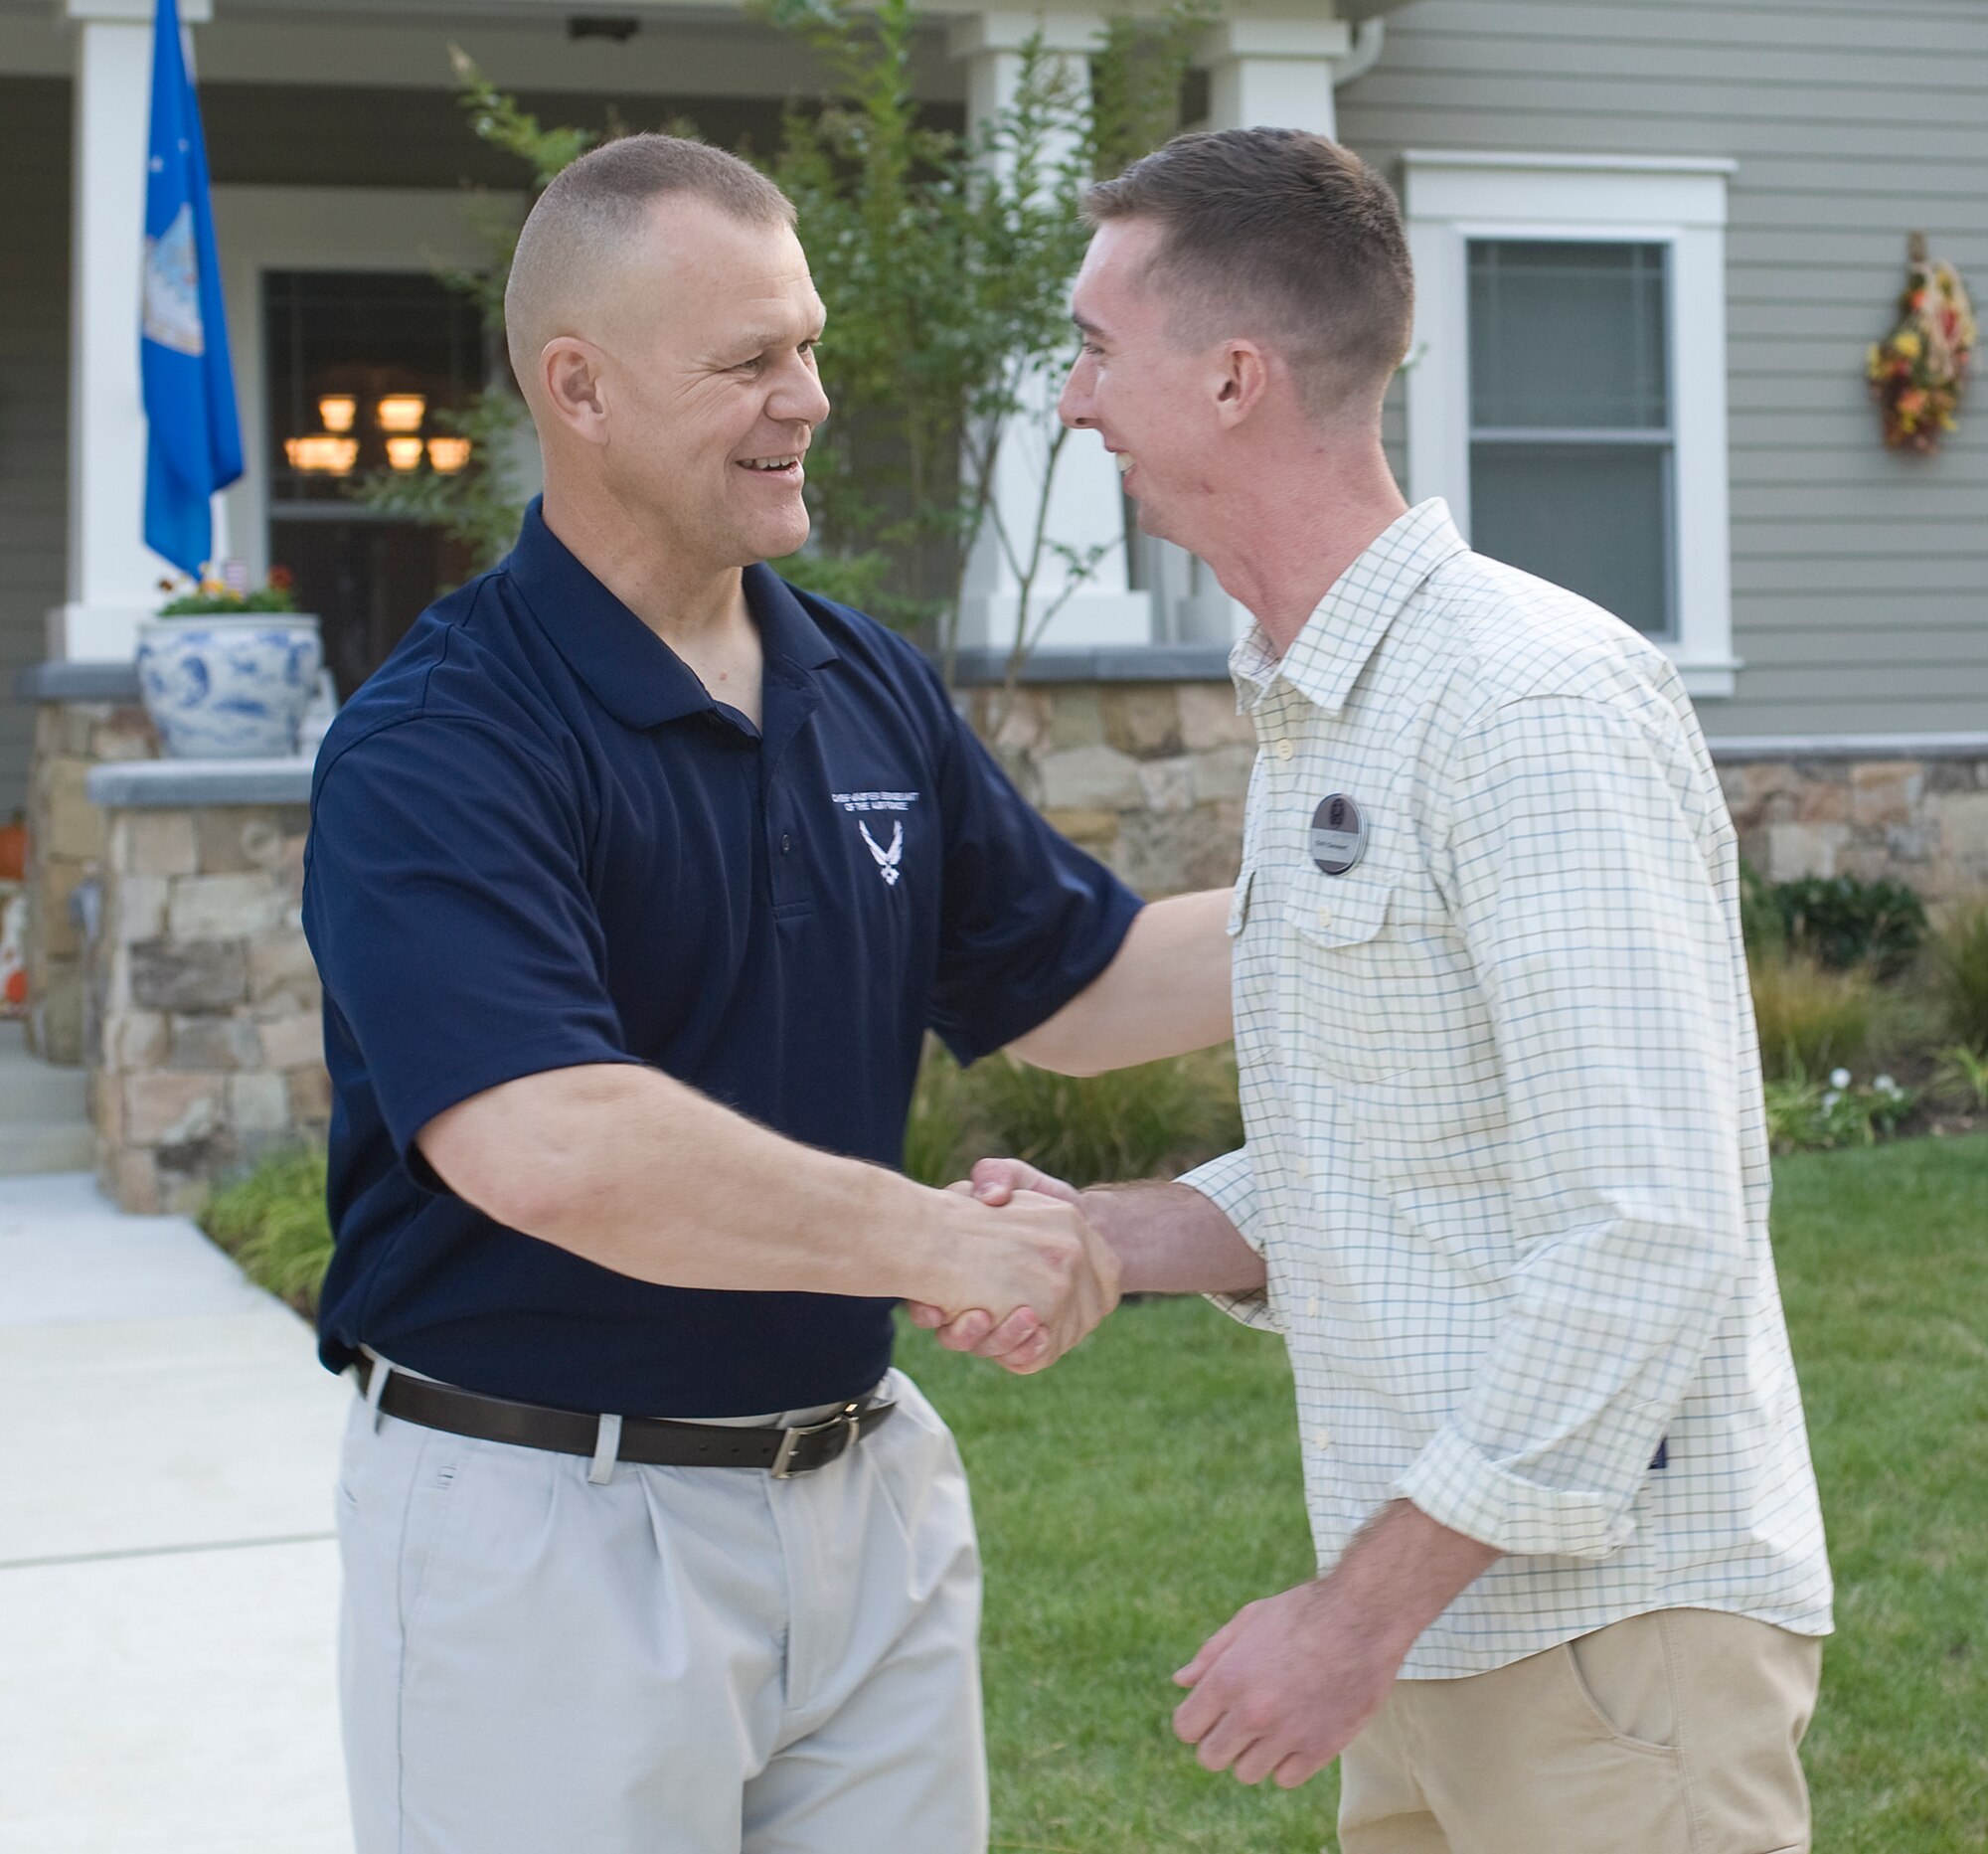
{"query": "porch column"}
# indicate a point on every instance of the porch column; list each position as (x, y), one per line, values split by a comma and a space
(1275, 73)
(113, 575)
(1087, 505)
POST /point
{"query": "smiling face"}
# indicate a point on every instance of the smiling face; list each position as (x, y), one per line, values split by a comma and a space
(1152, 398)
(698, 396)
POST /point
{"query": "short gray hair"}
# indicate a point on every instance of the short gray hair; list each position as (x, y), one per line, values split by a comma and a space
(597, 205)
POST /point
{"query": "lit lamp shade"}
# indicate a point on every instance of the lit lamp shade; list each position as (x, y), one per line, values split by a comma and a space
(448, 455)
(402, 411)
(403, 453)
(323, 453)
(336, 412)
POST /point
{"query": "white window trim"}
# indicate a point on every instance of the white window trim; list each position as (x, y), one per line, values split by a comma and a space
(1452, 198)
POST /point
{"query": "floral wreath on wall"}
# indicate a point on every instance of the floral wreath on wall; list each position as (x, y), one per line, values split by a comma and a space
(1918, 371)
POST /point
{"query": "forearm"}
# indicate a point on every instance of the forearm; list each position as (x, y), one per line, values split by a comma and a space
(1403, 1570)
(634, 1170)
(1172, 1240)
(1164, 993)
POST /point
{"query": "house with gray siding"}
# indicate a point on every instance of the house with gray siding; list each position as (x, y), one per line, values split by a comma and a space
(1654, 239)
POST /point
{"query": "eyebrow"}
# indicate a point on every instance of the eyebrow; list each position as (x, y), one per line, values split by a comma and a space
(759, 340)
(1083, 327)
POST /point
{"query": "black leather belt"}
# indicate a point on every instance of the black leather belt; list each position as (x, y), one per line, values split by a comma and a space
(654, 1442)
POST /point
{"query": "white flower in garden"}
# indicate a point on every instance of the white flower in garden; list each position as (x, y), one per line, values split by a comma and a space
(1830, 1099)
(1838, 1078)
(1885, 1084)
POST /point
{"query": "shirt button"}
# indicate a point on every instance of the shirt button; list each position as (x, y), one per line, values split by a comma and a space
(786, 842)
(1325, 916)
(1283, 750)
(1321, 1440)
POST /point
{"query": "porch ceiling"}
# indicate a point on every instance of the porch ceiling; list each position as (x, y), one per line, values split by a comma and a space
(712, 48)
(687, 12)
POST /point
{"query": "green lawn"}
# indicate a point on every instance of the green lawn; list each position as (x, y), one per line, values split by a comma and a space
(1131, 1499)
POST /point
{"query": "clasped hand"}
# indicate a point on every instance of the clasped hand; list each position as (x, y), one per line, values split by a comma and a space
(1045, 1288)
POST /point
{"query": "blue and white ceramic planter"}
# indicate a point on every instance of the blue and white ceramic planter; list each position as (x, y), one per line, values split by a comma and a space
(229, 688)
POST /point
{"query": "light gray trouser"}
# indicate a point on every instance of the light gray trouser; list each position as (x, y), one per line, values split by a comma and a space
(677, 1661)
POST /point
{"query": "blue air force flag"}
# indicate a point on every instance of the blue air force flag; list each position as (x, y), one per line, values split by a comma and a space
(193, 445)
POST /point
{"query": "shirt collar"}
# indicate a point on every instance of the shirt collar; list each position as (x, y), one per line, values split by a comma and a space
(1344, 631)
(632, 673)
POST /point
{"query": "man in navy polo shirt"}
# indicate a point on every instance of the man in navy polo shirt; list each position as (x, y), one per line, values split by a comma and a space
(636, 878)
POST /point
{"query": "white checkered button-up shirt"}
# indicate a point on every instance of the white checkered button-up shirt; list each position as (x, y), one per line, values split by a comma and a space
(1507, 1163)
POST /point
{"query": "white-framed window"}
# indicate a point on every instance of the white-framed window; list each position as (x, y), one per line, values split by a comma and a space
(1567, 392)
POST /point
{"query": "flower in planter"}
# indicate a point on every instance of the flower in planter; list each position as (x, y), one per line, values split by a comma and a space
(213, 595)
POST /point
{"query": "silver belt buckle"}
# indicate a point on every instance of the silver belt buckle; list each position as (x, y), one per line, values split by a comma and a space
(844, 1419)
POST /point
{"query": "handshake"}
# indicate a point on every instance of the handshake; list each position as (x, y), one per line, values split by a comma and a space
(1030, 1283)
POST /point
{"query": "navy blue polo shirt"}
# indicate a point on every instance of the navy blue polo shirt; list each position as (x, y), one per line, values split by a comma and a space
(537, 841)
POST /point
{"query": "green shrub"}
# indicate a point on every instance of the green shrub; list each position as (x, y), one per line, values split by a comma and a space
(1132, 1123)
(1818, 1117)
(1760, 922)
(1160, 1117)
(1810, 1019)
(1962, 1077)
(1960, 959)
(274, 1223)
(1843, 922)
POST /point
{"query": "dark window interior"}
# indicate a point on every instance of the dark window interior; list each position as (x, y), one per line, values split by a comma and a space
(364, 335)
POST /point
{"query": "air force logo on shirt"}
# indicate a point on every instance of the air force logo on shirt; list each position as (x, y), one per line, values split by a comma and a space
(887, 858)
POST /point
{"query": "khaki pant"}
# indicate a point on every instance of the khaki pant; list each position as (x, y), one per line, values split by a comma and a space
(1672, 1732)
(682, 1660)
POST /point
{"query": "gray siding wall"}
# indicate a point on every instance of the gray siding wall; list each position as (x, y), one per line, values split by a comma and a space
(34, 397)
(1860, 577)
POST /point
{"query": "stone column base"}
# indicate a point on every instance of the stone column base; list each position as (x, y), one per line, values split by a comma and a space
(87, 715)
(211, 1047)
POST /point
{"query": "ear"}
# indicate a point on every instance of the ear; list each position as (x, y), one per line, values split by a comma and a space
(573, 378)
(1243, 377)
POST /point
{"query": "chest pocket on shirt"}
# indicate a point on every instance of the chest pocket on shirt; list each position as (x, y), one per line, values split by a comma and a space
(1349, 977)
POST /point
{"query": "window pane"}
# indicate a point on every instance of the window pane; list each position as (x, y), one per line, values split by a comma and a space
(361, 335)
(1593, 518)
(338, 343)
(1567, 335)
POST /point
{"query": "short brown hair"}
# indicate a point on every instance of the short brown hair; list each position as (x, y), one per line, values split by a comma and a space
(1284, 231)
(596, 205)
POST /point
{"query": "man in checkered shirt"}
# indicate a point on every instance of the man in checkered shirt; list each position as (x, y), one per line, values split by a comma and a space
(1505, 1191)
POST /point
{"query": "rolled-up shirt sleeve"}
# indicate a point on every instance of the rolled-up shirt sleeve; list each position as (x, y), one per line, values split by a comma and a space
(1578, 859)
(1230, 1184)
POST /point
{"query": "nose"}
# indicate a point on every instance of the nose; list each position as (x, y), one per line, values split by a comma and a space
(800, 398)
(1072, 406)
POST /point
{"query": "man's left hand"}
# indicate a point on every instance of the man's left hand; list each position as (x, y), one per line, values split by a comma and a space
(1288, 1683)
(1282, 1689)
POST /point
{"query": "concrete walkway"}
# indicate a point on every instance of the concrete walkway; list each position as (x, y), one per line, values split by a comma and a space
(43, 1111)
(168, 1580)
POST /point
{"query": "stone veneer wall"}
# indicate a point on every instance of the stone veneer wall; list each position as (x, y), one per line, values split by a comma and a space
(1149, 776)
(1863, 811)
(198, 1008)
(66, 842)
(205, 1010)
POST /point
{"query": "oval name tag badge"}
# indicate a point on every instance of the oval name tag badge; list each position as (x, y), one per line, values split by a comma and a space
(1338, 834)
